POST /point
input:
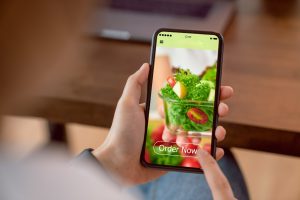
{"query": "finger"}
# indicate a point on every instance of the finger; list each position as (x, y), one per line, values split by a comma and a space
(161, 111)
(223, 109)
(215, 178)
(226, 92)
(220, 133)
(133, 87)
(167, 136)
(219, 153)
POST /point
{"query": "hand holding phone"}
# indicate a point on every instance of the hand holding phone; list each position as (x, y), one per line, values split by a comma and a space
(182, 99)
(119, 155)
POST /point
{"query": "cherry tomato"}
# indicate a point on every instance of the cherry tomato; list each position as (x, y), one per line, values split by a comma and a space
(196, 115)
(156, 135)
(171, 81)
(190, 162)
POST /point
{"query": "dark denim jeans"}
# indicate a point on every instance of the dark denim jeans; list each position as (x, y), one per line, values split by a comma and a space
(187, 186)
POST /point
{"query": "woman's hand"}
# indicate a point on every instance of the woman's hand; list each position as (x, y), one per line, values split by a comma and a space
(120, 153)
(215, 178)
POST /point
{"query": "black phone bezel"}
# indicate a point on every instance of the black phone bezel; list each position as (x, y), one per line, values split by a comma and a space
(149, 89)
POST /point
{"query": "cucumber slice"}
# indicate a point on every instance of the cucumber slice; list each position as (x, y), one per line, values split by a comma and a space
(211, 96)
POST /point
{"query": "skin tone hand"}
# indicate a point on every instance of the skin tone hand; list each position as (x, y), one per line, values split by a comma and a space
(215, 178)
(120, 153)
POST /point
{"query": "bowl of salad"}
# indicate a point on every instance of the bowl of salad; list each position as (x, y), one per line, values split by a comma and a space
(188, 101)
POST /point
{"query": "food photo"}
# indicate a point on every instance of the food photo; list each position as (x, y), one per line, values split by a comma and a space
(181, 113)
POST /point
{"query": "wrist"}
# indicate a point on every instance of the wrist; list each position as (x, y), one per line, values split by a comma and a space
(108, 158)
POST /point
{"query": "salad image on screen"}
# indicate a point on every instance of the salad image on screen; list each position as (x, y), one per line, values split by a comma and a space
(188, 101)
(181, 105)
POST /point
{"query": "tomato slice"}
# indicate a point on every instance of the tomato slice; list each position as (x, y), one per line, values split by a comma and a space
(171, 81)
(196, 115)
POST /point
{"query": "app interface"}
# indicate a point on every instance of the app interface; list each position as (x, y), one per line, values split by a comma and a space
(182, 98)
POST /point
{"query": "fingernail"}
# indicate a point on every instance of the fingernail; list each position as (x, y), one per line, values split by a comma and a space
(143, 65)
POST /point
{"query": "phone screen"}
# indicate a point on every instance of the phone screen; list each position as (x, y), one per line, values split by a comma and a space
(183, 92)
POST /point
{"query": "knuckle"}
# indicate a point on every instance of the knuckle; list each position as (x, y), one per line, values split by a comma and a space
(131, 78)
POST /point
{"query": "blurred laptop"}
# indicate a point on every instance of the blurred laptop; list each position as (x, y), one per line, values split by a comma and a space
(138, 19)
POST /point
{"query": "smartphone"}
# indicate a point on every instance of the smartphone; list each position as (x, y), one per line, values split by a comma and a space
(182, 98)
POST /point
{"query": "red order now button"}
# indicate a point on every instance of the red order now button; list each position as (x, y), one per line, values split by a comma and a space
(174, 149)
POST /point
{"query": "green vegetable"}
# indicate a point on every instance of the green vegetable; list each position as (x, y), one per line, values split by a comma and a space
(172, 158)
(198, 95)
(211, 96)
(187, 78)
(200, 91)
(210, 73)
(177, 115)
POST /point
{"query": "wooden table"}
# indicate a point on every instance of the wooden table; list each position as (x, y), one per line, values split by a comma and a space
(261, 62)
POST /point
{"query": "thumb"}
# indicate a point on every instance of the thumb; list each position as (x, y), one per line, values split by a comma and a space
(133, 87)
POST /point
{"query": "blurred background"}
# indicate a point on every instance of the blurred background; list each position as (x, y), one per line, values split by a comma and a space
(261, 63)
